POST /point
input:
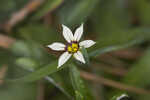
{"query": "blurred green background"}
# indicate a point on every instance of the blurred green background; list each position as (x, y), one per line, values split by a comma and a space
(118, 64)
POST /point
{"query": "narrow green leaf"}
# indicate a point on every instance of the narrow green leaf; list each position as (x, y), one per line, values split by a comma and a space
(118, 37)
(113, 48)
(40, 73)
(79, 96)
(27, 63)
(31, 65)
(80, 89)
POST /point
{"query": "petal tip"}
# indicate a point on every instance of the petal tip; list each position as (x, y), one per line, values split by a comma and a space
(58, 66)
(94, 42)
(82, 24)
(83, 62)
(63, 25)
(49, 46)
(78, 56)
(67, 33)
(78, 33)
(87, 43)
(56, 46)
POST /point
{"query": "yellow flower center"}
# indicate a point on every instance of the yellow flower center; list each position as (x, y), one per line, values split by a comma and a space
(73, 48)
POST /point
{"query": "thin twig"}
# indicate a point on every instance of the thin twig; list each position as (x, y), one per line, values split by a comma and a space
(107, 58)
(129, 53)
(110, 69)
(41, 89)
(3, 73)
(24, 12)
(5, 41)
(111, 83)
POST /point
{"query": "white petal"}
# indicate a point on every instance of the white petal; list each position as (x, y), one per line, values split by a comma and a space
(67, 33)
(57, 46)
(63, 58)
(79, 57)
(87, 43)
(78, 33)
(121, 97)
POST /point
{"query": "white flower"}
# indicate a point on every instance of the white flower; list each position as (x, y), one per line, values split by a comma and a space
(73, 47)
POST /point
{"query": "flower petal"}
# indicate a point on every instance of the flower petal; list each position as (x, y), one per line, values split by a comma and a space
(67, 33)
(121, 97)
(87, 43)
(57, 46)
(78, 33)
(79, 57)
(63, 58)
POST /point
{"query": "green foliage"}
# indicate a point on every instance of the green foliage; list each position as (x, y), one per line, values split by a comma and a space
(15, 91)
(135, 75)
(45, 34)
(81, 92)
(77, 12)
(142, 7)
(48, 6)
(7, 7)
(27, 63)
(120, 29)
(139, 72)
(48, 69)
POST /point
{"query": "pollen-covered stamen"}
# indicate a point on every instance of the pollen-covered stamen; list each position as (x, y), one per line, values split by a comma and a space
(73, 47)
